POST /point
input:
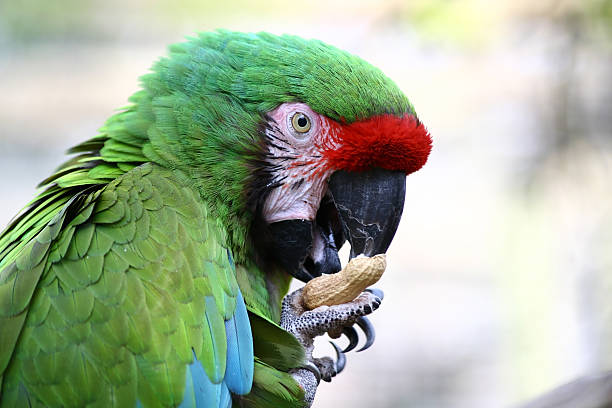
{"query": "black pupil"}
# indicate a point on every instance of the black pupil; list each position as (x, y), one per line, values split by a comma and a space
(302, 121)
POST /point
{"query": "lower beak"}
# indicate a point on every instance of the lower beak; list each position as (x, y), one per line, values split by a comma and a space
(369, 206)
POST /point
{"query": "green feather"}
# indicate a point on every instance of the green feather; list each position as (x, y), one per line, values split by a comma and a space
(272, 388)
(103, 297)
(274, 346)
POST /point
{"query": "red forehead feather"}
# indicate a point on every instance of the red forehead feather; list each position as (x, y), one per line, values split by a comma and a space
(385, 141)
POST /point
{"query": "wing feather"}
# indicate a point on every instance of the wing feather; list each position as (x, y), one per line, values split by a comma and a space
(129, 295)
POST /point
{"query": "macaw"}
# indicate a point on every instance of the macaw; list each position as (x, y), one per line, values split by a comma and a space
(152, 268)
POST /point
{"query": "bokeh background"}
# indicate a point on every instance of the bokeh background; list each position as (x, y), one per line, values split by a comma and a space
(499, 279)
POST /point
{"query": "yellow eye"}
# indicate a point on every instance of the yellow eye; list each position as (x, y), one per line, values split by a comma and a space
(300, 122)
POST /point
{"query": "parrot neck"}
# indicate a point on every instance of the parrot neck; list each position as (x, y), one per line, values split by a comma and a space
(213, 157)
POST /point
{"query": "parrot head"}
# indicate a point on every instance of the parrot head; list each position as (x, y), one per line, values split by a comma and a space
(334, 182)
(297, 145)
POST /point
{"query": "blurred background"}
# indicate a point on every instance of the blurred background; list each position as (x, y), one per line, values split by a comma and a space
(499, 279)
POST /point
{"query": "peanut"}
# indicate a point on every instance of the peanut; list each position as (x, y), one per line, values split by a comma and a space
(346, 285)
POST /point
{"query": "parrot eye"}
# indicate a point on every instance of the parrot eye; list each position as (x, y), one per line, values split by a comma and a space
(300, 122)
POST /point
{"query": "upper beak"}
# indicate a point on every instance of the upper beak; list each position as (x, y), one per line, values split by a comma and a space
(369, 206)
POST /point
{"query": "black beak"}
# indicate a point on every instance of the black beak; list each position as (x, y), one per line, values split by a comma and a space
(364, 208)
(369, 206)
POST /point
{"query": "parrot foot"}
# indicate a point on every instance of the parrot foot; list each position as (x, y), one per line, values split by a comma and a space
(335, 320)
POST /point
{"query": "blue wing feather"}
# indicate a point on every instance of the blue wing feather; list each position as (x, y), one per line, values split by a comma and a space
(226, 398)
(189, 399)
(240, 360)
(200, 390)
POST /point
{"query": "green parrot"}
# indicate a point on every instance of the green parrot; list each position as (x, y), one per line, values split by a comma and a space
(153, 267)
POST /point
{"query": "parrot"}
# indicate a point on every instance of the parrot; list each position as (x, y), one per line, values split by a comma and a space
(153, 267)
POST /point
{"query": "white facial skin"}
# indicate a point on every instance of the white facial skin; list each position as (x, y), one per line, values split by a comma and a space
(295, 153)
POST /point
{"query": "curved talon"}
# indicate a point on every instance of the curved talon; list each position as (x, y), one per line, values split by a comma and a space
(313, 369)
(365, 325)
(376, 292)
(341, 362)
(350, 334)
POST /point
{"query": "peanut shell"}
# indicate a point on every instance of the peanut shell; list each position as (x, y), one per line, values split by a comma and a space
(346, 285)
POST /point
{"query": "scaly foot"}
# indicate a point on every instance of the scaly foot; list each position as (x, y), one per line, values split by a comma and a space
(336, 320)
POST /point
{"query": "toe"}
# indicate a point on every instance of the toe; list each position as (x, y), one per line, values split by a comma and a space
(376, 292)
